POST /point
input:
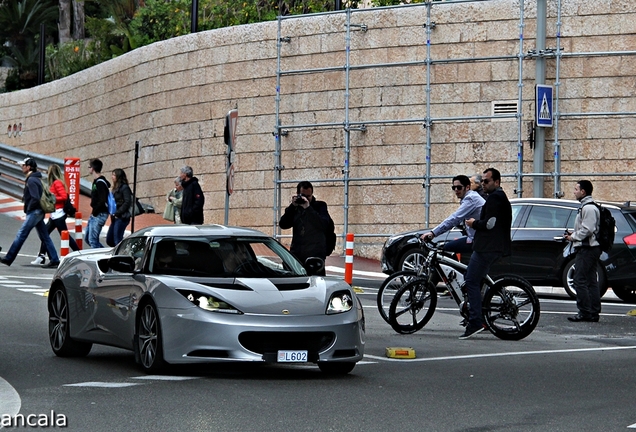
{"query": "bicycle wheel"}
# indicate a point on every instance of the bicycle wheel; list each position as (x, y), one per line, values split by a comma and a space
(511, 308)
(389, 288)
(412, 306)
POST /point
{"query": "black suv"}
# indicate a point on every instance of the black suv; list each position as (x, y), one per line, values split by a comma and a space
(538, 251)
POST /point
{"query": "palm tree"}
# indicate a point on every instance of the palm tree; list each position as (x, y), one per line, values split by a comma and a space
(19, 29)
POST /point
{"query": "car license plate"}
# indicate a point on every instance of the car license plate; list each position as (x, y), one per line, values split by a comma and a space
(292, 356)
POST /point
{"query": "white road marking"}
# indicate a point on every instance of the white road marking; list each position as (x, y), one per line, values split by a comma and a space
(356, 272)
(10, 401)
(164, 378)
(514, 353)
(101, 384)
(632, 426)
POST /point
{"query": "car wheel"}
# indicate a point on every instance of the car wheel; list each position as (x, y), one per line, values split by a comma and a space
(59, 327)
(627, 293)
(411, 260)
(568, 276)
(336, 368)
(149, 346)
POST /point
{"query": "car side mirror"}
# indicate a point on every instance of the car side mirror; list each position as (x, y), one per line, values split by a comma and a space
(119, 263)
(314, 265)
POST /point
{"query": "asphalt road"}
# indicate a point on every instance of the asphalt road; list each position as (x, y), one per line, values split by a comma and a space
(563, 377)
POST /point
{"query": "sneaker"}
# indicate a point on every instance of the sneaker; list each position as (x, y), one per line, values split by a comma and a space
(471, 331)
(51, 264)
(5, 262)
(39, 260)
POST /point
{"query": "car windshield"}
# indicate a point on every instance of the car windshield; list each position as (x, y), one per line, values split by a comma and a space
(223, 257)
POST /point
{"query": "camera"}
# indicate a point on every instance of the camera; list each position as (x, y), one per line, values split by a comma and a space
(299, 199)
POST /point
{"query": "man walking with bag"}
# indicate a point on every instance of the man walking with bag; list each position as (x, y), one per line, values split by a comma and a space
(588, 251)
(34, 216)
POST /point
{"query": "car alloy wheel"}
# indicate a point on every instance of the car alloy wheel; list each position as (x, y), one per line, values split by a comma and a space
(149, 345)
(568, 280)
(59, 327)
(412, 261)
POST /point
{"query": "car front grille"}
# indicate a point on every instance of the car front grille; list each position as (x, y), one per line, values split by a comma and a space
(271, 342)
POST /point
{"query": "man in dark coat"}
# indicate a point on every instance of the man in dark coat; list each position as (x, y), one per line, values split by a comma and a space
(310, 221)
(34, 216)
(492, 241)
(192, 200)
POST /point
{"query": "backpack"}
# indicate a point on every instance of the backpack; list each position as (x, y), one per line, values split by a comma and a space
(111, 203)
(47, 199)
(606, 228)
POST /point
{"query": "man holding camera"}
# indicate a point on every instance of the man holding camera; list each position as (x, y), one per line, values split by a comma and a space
(310, 221)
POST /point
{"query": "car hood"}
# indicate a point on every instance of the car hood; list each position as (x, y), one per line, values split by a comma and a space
(297, 296)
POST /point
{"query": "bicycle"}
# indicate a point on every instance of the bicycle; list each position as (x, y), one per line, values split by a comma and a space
(510, 305)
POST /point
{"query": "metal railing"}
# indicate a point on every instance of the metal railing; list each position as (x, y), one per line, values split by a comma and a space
(12, 178)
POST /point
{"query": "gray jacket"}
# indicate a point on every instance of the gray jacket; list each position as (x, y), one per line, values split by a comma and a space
(586, 224)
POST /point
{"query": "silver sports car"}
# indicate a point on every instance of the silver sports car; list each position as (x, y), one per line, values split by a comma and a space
(194, 294)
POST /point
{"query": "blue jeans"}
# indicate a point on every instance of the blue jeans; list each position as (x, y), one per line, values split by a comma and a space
(459, 245)
(34, 219)
(94, 229)
(588, 296)
(116, 230)
(478, 267)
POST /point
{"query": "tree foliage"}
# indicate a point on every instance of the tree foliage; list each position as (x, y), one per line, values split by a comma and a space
(115, 27)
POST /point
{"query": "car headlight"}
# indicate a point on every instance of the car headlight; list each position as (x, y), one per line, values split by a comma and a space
(340, 301)
(392, 240)
(209, 303)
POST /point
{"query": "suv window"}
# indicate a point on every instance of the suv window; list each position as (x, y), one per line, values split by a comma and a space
(548, 217)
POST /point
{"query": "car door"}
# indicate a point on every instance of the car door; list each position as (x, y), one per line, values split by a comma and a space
(117, 295)
(537, 245)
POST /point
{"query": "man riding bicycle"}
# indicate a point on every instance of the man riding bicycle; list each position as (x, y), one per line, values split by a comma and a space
(470, 204)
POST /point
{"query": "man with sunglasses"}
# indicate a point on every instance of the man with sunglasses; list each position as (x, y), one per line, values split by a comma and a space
(470, 203)
(492, 241)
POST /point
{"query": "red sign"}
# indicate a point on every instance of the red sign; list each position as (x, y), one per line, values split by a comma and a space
(72, 178)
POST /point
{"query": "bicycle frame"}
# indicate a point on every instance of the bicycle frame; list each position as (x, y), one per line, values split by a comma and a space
(452, 273)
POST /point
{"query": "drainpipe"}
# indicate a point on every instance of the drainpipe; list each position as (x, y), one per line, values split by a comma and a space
(539, 136)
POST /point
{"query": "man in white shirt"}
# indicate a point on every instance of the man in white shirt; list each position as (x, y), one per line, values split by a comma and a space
(470, 204)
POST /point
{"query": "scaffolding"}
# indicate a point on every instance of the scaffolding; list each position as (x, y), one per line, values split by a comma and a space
(518, 58)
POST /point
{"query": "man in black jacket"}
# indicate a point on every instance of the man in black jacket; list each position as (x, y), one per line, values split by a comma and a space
(34, 216)
(492, 241)
(192, 198)
(310, 221)
(99, 204)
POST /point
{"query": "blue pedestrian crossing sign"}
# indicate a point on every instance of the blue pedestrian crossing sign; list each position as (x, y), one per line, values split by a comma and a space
(543, 102)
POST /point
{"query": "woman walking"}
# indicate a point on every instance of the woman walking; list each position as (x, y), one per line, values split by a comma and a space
(57, 219)
(119, 218)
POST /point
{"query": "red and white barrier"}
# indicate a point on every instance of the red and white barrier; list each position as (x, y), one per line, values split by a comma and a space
(79, 234)
(348, 277)
(64, 243)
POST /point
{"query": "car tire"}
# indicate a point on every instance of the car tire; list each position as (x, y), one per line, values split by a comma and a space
(568, 273)
(148, 339)
(60, 325)
(627, 293)
(336, 368)
(411, 260)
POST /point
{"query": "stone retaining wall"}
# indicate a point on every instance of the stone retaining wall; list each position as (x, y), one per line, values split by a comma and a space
(172, 96)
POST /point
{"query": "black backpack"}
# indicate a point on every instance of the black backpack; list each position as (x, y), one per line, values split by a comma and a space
(606, 229)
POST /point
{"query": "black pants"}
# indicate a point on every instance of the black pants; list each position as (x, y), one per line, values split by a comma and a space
(60, 224)
(588, 298)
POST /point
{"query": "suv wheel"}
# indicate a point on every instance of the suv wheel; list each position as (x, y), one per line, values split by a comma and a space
(568, 276)
(412, 260)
